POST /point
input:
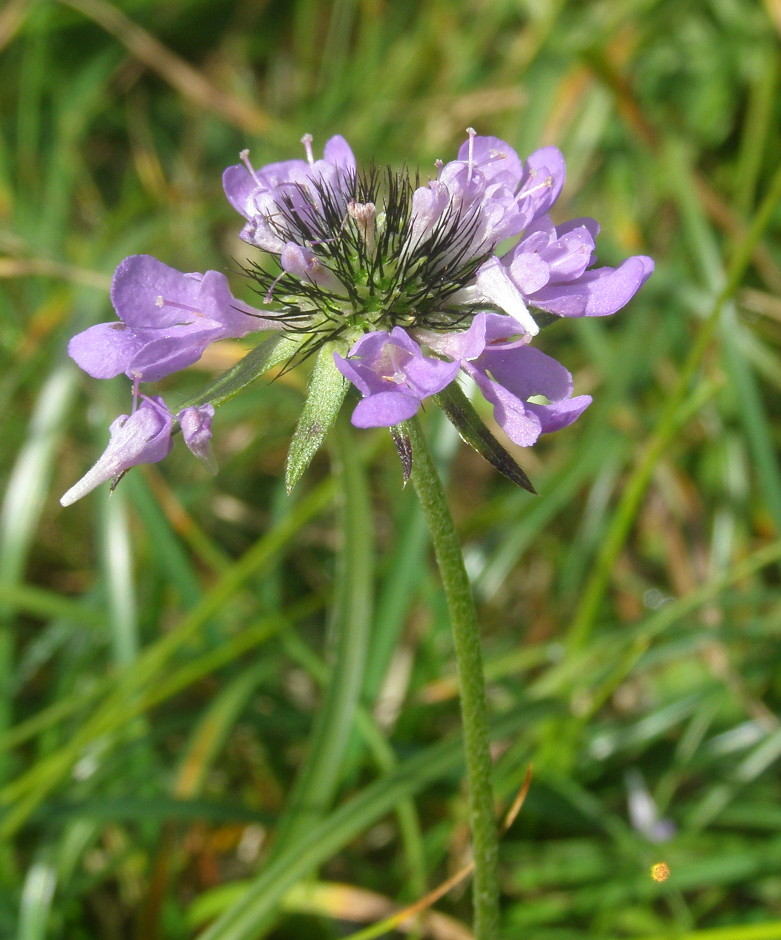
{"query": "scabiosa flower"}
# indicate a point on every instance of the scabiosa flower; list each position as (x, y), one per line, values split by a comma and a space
(394, 284)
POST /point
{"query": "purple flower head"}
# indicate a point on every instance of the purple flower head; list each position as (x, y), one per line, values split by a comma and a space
(393, 375)
(142, 437)
(166, 320)
(410, 278)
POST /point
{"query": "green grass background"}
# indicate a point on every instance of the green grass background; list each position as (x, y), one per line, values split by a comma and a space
(163, 654)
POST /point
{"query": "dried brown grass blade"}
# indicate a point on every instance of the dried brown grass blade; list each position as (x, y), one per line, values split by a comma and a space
(189, 82)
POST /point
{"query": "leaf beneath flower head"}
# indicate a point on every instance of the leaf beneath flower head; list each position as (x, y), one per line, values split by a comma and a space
(266, 355)
(327, 389)
(473, 431)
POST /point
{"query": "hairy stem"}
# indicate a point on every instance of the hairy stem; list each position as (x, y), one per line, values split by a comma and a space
(474, 712)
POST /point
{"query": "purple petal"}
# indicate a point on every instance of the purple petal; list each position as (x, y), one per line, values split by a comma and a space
(426, 376)
(284, 171)
(339, 152)
(385, 409)
(459, 346)
(105, 350)
(165, 352)
(521, 425)
(495, 159)
(525, 371)
(596, 293)
(349, 369)
(238, 184)
(559, 414)
(529, 272)
(546, 168)
(570, 255)
(139, 283)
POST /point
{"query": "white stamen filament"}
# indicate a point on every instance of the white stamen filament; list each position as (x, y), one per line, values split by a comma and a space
(244, 157)
(470, 159)
(306, 140)
(160, 301)
(547, 183)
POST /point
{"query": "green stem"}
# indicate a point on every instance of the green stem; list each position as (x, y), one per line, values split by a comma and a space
(474, 711)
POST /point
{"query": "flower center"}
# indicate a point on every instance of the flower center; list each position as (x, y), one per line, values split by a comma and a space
(371, 263)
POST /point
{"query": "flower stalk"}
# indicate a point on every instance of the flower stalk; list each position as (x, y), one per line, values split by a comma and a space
(469, 661)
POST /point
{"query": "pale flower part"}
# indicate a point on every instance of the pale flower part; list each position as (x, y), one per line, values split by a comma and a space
(493, 285)
(196, 426)
(643, 812)
(142, 437)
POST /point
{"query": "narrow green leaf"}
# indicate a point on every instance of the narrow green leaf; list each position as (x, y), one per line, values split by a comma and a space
(327, 389)
(467, 422)
(263, 357)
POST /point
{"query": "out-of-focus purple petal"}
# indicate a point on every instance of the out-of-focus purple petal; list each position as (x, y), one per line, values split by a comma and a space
(596, 293)
(339, 152)
(143, 437)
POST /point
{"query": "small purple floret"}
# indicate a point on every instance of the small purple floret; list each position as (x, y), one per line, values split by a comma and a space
(166, 320)
(196, 425)
(142, 437)
(549, 268)
(509, 372)
(393, 375)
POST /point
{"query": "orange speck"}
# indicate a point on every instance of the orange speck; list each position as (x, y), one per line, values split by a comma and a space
(660, 871)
